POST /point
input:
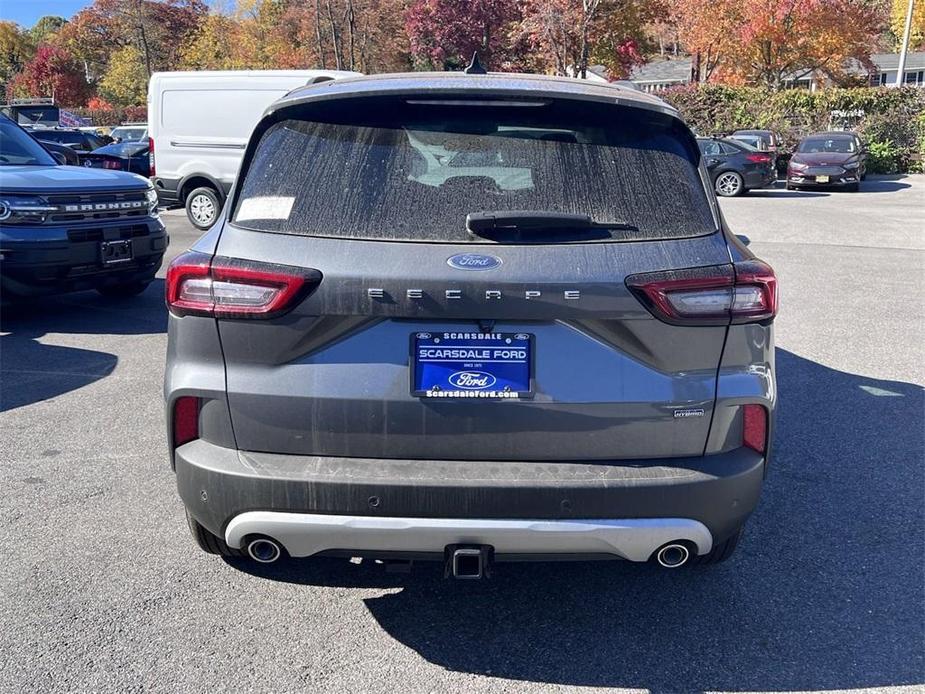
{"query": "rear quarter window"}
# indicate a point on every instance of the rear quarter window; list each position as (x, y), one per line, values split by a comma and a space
(412, 171)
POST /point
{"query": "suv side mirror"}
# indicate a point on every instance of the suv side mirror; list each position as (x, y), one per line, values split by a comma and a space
(60, 158)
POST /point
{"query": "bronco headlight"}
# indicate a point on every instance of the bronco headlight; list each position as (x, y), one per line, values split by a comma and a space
(151, 196)
(24, 209)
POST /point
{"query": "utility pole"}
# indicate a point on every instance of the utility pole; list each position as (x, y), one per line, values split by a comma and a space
(900, 73)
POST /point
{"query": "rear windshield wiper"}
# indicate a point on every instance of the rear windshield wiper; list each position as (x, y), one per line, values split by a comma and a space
(540, 226)
(539, 220)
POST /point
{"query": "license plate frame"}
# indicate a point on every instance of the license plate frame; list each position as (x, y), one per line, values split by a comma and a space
(116, 252)
(477, 376)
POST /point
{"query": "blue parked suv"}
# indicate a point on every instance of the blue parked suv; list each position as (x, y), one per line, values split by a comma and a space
(65, 228)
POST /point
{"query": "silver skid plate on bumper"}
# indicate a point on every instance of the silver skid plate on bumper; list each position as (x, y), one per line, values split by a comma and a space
(304, 534)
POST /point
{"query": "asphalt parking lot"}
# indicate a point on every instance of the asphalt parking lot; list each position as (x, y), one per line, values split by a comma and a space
(102, 588)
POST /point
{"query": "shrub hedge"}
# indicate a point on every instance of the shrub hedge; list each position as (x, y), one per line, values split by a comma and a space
(891, 120)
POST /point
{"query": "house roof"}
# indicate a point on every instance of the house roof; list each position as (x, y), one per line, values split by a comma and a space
(679, 69)
(890, 61)
(671, 70)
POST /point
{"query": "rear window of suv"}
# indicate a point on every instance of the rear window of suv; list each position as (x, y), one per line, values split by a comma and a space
(411, 170)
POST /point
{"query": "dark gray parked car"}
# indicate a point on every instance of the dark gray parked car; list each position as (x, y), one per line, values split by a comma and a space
(470, 318)
(735, 167)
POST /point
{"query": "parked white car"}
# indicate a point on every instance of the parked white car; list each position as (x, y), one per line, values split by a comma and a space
(130, 132)
(199, 124)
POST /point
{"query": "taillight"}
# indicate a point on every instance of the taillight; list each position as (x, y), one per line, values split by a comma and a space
(109, 164)
(233, 288)
(185, 420)
(151, 168)
(755, 427)
(759, 158)
(745, 292)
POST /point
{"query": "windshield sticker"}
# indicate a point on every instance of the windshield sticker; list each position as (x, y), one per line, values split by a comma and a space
(265, 208)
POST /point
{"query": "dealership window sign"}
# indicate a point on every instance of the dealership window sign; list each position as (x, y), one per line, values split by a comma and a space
(845, 120)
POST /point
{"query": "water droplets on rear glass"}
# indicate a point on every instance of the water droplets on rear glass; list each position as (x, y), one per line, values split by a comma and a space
(417, 180)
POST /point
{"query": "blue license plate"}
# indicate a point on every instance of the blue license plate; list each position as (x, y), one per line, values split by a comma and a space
(472, 365)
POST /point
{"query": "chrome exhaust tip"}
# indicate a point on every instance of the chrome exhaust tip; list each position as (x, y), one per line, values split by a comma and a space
(264, 550)
(673, 556)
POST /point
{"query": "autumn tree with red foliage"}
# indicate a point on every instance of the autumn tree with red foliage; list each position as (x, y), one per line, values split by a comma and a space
(52, 72)
(445, 33)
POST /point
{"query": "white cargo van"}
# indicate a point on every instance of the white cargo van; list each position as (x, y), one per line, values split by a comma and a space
(199, 124)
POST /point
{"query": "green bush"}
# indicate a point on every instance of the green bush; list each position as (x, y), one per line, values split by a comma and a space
(884, 157)
(886, 113)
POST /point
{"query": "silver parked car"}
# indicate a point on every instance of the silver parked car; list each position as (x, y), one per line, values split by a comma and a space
(470, 318)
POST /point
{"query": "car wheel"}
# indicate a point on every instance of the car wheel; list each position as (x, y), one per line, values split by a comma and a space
(729, 184)
(125, 289)
(720, 552)
(208, 542)
(203, 207)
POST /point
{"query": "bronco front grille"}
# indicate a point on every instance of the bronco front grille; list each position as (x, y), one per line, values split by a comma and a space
(107, 234)
(86, 207)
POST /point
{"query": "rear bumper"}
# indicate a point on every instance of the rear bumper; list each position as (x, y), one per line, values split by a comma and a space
(414, 505)
(304, 534)
(759, 179)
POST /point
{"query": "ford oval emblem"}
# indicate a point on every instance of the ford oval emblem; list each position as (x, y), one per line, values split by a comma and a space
(473, 261)
(472, 380)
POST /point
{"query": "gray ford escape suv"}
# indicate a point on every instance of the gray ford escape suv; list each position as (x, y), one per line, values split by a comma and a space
(470, 318)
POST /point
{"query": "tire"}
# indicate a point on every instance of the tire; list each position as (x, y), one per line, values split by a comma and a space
(124, 290)
(208, 542)
(203, 207)
(729, 184)
(720, 552)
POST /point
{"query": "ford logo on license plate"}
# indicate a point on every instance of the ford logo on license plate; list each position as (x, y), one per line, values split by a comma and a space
(472, 380)
(473, 261)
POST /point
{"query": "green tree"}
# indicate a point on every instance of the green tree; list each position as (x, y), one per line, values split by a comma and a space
(125, 82)
(16, 49)
(217, 46)
(46, 28)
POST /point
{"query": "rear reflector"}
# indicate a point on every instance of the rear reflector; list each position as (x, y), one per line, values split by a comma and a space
(234, 288)
(755, 427)
(745, 292)
(185, 420)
